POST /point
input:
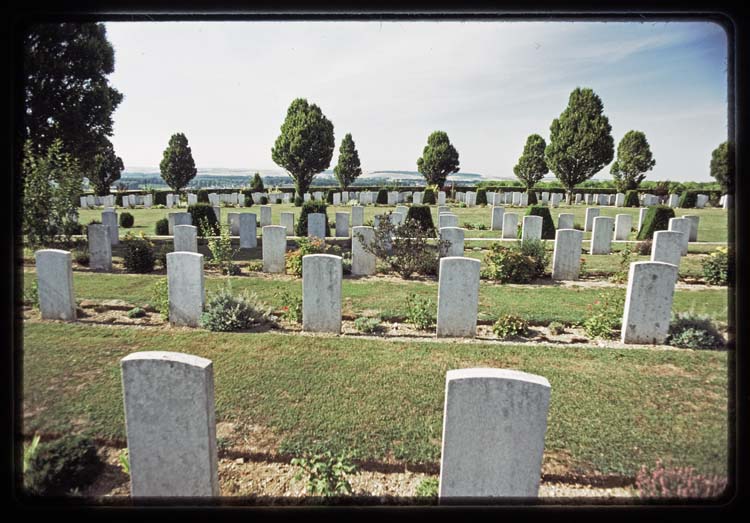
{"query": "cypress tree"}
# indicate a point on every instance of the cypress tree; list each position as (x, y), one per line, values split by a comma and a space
(177, 165)
(348, 167)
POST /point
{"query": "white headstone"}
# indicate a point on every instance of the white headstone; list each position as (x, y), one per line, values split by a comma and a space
(109, 218)
(321, 293)
(248, 230)
(185, 238)
(265, 215)
(648, 302)
(342, 224)
(510, 225)
(363, 263)
(358, 216)
(170, 424)
(591, 213)
(54, 276)
(674, 200)
(667, 247)
(531, 228)
(287, 220)
(623, 224)
(641, 215)
(100, 248)
(458, 297)
(694, 221)
(601, 237)
(233, 220)
(455, 236)
(494, 424)
(186, 288)
(565, 220)
(681, 225)
(178, 218)
(447, 220)
(566, 260)
(274, 249)
(316, 225)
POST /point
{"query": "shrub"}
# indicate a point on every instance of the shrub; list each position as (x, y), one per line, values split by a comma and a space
(162, 227)
(118, 200)
(264, 200)
(556, 328)
(509, 264)
(81, 256)
(548, 226)
(716, 268)
(160, 297)
(427, 488)
(688, 199)
(428, 198)
(222, 253)
(161, 255)
(420, 311)
(481, 197)
(656, 219)
(680, 482)
(139, 254)
(329, 196)
(203, 196)
(405, 248)
(631, 199)
(225, 312)
(31, 295)
(693, 331)
(201, 213)
(291, 304)
(382, 197)
(310, 207)
(298, 201)
(255, 266)
(605, 315)
(535, 250)
(422, 215)
(59, 466)
(160, 197)
(532, 197)
(136, 312)
(248, 195)
(126, 220)
(326, 474)
(509, 325)
(305, 246)
(621, 275)
(367, 325)
(643, 248)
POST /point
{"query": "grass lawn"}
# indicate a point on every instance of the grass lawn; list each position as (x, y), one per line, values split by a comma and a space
(712, 227)
(611, 410)
(539, 304)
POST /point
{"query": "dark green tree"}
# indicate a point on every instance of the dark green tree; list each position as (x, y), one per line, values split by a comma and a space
(67, 95)
(177, 166)
(634, 159)
(531, 166)
(305, 146)
(257, 184)
(348, 167)
(107, 170)
(722, 166)
(580, 140)
(439, 159)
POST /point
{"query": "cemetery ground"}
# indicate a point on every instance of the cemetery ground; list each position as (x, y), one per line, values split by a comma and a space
(281, 392)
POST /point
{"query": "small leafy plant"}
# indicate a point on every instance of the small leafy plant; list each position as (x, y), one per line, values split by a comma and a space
(510, 325)
(693, 331)
(420, 311)
(291, 304)
(136, 312)
(31, 295)
(160, 297)
(326, 473)
(225, 312)
(124, 460)
(305, 246)
(556, 328)
(716, 267)
(222, 253)
(605, 314)
(61, 465)
(621, 275)
(428, 488)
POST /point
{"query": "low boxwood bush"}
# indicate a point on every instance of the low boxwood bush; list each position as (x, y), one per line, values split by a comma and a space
(226, 312)
(481, 197)
(422, 215)
(264, 200)
(139, 254)
(203, 196)
(126, 220)
(693, 331)
(510, 325)
(428, 198)
(248, 195)
(59, 466)
(656, 219)
(688, 199)
(160, 197)
(518, 263)
(716, 268)
(631, 199)
(382, 197)
(548, 226)
(161, 227)
(311, 207)
(201, 213)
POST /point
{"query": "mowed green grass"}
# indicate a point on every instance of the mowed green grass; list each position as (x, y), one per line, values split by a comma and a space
(712, 227)
(539, 304)
(611, 410)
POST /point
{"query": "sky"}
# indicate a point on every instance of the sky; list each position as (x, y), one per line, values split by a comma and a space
(488, 84)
